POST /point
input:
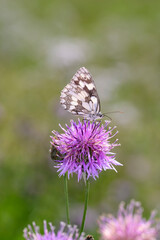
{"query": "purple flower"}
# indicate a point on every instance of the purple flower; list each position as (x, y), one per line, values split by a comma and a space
(71, 233)
(85, 149)
(129, 224)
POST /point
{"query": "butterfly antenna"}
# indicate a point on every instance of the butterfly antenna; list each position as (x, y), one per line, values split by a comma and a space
(105, 114)
(113, 112)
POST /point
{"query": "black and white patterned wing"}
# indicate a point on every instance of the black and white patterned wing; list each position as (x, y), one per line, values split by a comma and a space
(80, 96)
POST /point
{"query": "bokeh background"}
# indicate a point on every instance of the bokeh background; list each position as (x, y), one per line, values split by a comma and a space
(42, 44)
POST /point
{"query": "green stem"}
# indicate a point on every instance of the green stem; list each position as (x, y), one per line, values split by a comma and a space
(85, 205)
(66, 197)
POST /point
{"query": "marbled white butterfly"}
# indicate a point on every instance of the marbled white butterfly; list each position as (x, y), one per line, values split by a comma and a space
(80, 96)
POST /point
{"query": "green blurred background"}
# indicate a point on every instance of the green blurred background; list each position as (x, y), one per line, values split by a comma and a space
(42, 44)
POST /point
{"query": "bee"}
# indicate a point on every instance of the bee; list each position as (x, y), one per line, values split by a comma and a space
(89, 237)
(55, 154)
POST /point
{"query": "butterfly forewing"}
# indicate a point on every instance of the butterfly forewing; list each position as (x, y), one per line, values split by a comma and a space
(80, 96)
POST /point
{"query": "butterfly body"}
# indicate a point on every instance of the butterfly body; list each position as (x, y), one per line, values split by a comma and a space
(80, 96)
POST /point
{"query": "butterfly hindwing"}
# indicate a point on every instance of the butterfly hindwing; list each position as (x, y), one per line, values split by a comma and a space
(80, 96)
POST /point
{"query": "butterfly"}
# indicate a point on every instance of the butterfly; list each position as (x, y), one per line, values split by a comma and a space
(80, 96)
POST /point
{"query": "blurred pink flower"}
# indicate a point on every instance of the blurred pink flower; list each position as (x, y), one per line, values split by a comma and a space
(66, 232)
(129, 224)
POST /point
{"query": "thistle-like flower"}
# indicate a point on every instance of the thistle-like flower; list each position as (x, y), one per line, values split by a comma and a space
(85, 149)
(129, 224)
(66, 232)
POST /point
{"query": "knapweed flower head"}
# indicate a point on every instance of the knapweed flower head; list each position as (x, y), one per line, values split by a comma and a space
(85, 149)
(129, 224)
(66, 232)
